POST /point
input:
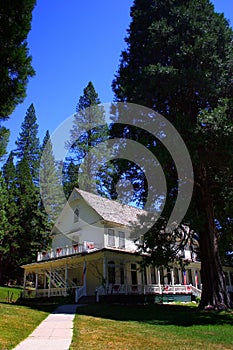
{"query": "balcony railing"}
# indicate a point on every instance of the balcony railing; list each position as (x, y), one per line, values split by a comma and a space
(68, 250)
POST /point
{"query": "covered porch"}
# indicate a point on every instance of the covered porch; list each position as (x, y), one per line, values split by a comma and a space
(106, 272)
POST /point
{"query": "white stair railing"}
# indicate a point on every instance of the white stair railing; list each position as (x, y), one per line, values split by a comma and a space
(79, 293)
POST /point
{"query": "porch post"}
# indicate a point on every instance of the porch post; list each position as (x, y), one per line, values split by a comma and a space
(66, 278)
(24, 280)
(104, 271)
(36, 284)
(229, 278)
(45, 279)
(126, 278)
(172, 277)
(50, 273)
(159, 282)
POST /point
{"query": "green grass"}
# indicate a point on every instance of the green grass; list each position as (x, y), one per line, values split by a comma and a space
(9, 294)
(173, 327)
(18, 321)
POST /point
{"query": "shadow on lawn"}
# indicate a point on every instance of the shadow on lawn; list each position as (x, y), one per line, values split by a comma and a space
(179, 315)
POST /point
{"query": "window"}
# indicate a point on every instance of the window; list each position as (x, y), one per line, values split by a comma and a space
(134, 278)
(152, 275)
(111, 238)
(122, 273)
(176, 276)
(76, 215)
(111, 272)
(121, 239)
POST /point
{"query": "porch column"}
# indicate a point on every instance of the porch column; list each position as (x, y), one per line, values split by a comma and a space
(66, 278)
(24, 280)
(159, 282)
(105, 269)
(172, 277)
(229, 278)
(45, 279)
(50, 273)
(126, 278)
(36, 283)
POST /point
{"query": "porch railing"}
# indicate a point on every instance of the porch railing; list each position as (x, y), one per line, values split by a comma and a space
(148, 289)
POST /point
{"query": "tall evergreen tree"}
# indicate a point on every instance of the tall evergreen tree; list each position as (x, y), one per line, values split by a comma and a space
(4, 224)
(89, 129)
(34, 233)
(179, 62)
(15, 69)
(28, 144)
(49, 181)
(10, 241)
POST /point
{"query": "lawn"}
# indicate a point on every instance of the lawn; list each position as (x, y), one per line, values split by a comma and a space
(173, 327)
(9, 294)
(18, 321)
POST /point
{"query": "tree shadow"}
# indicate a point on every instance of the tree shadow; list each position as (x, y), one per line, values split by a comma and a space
(178, 315)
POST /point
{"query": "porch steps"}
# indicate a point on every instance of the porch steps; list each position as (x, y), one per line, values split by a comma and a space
(58, 281)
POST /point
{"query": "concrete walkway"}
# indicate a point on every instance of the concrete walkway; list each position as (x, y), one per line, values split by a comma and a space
(55, 332)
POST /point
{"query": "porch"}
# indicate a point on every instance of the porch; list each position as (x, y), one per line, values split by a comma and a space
(114, 290)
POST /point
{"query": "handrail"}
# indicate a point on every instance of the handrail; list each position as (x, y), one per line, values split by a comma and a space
(79, 293)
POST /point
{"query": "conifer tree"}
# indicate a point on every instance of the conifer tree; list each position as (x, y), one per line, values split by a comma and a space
(178, 61)
(10, 241)
(15, 68)
(89, 129)
(28, 144)
(49, 181)
(4, 225)
(33, 235)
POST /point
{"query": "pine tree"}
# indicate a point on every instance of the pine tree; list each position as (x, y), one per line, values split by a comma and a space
(15, 68)
(28, 144)
(34, 233)
(179, 62)
(10, 241)
(50, 184)
(89, 129)
(4, 225)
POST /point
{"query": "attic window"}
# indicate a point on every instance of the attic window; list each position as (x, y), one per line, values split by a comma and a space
(76, 215)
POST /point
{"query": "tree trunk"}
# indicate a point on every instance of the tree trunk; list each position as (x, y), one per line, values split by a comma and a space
(214, 292)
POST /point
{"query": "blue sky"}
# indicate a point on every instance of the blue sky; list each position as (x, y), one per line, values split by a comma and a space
(73, 42)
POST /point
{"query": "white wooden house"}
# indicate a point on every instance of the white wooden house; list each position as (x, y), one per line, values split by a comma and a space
(93, 253)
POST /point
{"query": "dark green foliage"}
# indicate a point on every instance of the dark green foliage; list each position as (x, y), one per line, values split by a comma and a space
(15, 69)
(89, 129)
(163, 247)
(28, 226)
(179, 61)
(28, 144)
(50, 184)
(4, 138)
(33, 236)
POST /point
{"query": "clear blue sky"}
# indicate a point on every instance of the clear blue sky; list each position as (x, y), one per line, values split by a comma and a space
(73, 42)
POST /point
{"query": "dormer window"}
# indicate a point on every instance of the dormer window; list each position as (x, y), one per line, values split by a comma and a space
(76, 215)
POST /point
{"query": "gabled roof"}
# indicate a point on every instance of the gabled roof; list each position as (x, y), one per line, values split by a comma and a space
(111, 210)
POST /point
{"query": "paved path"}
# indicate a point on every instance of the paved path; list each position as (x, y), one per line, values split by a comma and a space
(54, 333)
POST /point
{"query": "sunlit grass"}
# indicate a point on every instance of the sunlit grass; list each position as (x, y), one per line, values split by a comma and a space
(17, 322)
(151, 327)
